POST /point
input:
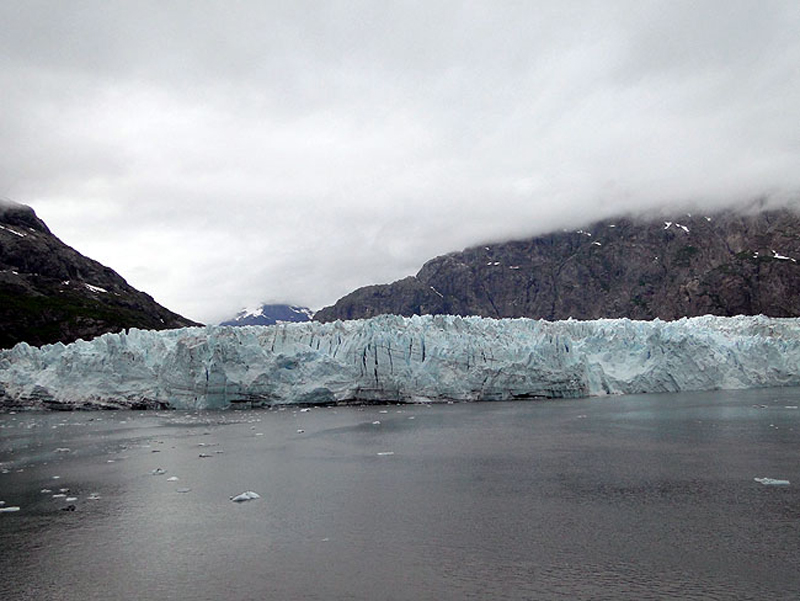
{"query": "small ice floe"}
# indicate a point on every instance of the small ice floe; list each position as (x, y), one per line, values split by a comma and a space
(248, 495)
(204, 455)
(56, 477)
(62, 450)
(63, 490)
(110, 461)
(376, 423)
(305, 410)
(771, 482)
(383, 411)
(790, 407)
(70, 499)
(385, 453)
(300, 431)
(93, 497)
(158, 471)
(10, 509)
(259, 434)
(45, 491)
(173, 479)
(183, 490)
(59, 495)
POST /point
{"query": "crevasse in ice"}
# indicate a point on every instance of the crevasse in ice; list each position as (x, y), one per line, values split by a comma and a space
(393, 358)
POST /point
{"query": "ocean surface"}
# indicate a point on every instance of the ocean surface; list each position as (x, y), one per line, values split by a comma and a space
(635, 497)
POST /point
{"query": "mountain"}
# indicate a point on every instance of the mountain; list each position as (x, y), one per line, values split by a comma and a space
(267, 315)
(728, 263)
(50, 293)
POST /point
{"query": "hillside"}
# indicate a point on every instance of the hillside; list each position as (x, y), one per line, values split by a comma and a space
(722, 264)
(49, 292)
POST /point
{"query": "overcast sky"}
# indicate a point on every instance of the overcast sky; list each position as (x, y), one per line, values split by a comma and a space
(217, 154)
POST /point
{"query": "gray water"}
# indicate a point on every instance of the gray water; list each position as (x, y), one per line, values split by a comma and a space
(639, 497)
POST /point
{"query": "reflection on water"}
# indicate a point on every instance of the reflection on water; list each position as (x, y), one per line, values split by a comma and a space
(646, 497)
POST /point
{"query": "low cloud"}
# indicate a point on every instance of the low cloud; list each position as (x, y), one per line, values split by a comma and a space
(224, 155)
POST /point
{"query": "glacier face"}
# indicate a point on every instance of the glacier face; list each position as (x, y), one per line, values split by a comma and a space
(392, 358)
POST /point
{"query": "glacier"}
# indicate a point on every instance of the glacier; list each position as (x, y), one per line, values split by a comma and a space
(398, 359)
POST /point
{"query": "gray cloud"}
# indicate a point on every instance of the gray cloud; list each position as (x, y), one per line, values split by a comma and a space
(218, 154)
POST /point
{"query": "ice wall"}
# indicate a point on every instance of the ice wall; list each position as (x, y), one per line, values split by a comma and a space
(404, 359)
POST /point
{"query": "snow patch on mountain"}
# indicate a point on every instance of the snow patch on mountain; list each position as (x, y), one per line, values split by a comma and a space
(267, 315)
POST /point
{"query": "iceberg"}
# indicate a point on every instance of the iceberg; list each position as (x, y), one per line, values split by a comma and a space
(771, 482)
(398, 359)
(248, 495)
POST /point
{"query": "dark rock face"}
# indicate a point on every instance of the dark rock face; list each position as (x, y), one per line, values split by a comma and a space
(51, 293)
(721, 264)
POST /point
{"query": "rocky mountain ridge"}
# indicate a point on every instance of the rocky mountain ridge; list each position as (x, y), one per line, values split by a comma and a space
(727, 263)
(50, 293)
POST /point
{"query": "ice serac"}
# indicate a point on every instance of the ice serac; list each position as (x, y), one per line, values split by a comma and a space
(391, 358)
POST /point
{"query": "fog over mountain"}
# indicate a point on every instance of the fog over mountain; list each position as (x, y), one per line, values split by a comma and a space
(221, 155)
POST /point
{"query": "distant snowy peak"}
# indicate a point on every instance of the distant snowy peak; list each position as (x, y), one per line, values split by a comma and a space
(268, 315)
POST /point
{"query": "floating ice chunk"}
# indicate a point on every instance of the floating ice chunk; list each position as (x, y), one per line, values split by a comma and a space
(376, 423)
(158, 471)
(305, 410)
(59, 495)
(183, 490)
(385, 453)
(94, 497)
(56, 477)
(300, 431)
(11, 509)
(248, 495)
(771, 482)
(45, 491)
(62, 450)
(173, 479)
(68, 499)
(204, 455)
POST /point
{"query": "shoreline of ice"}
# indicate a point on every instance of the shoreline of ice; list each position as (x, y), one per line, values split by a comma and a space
(396, 359)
